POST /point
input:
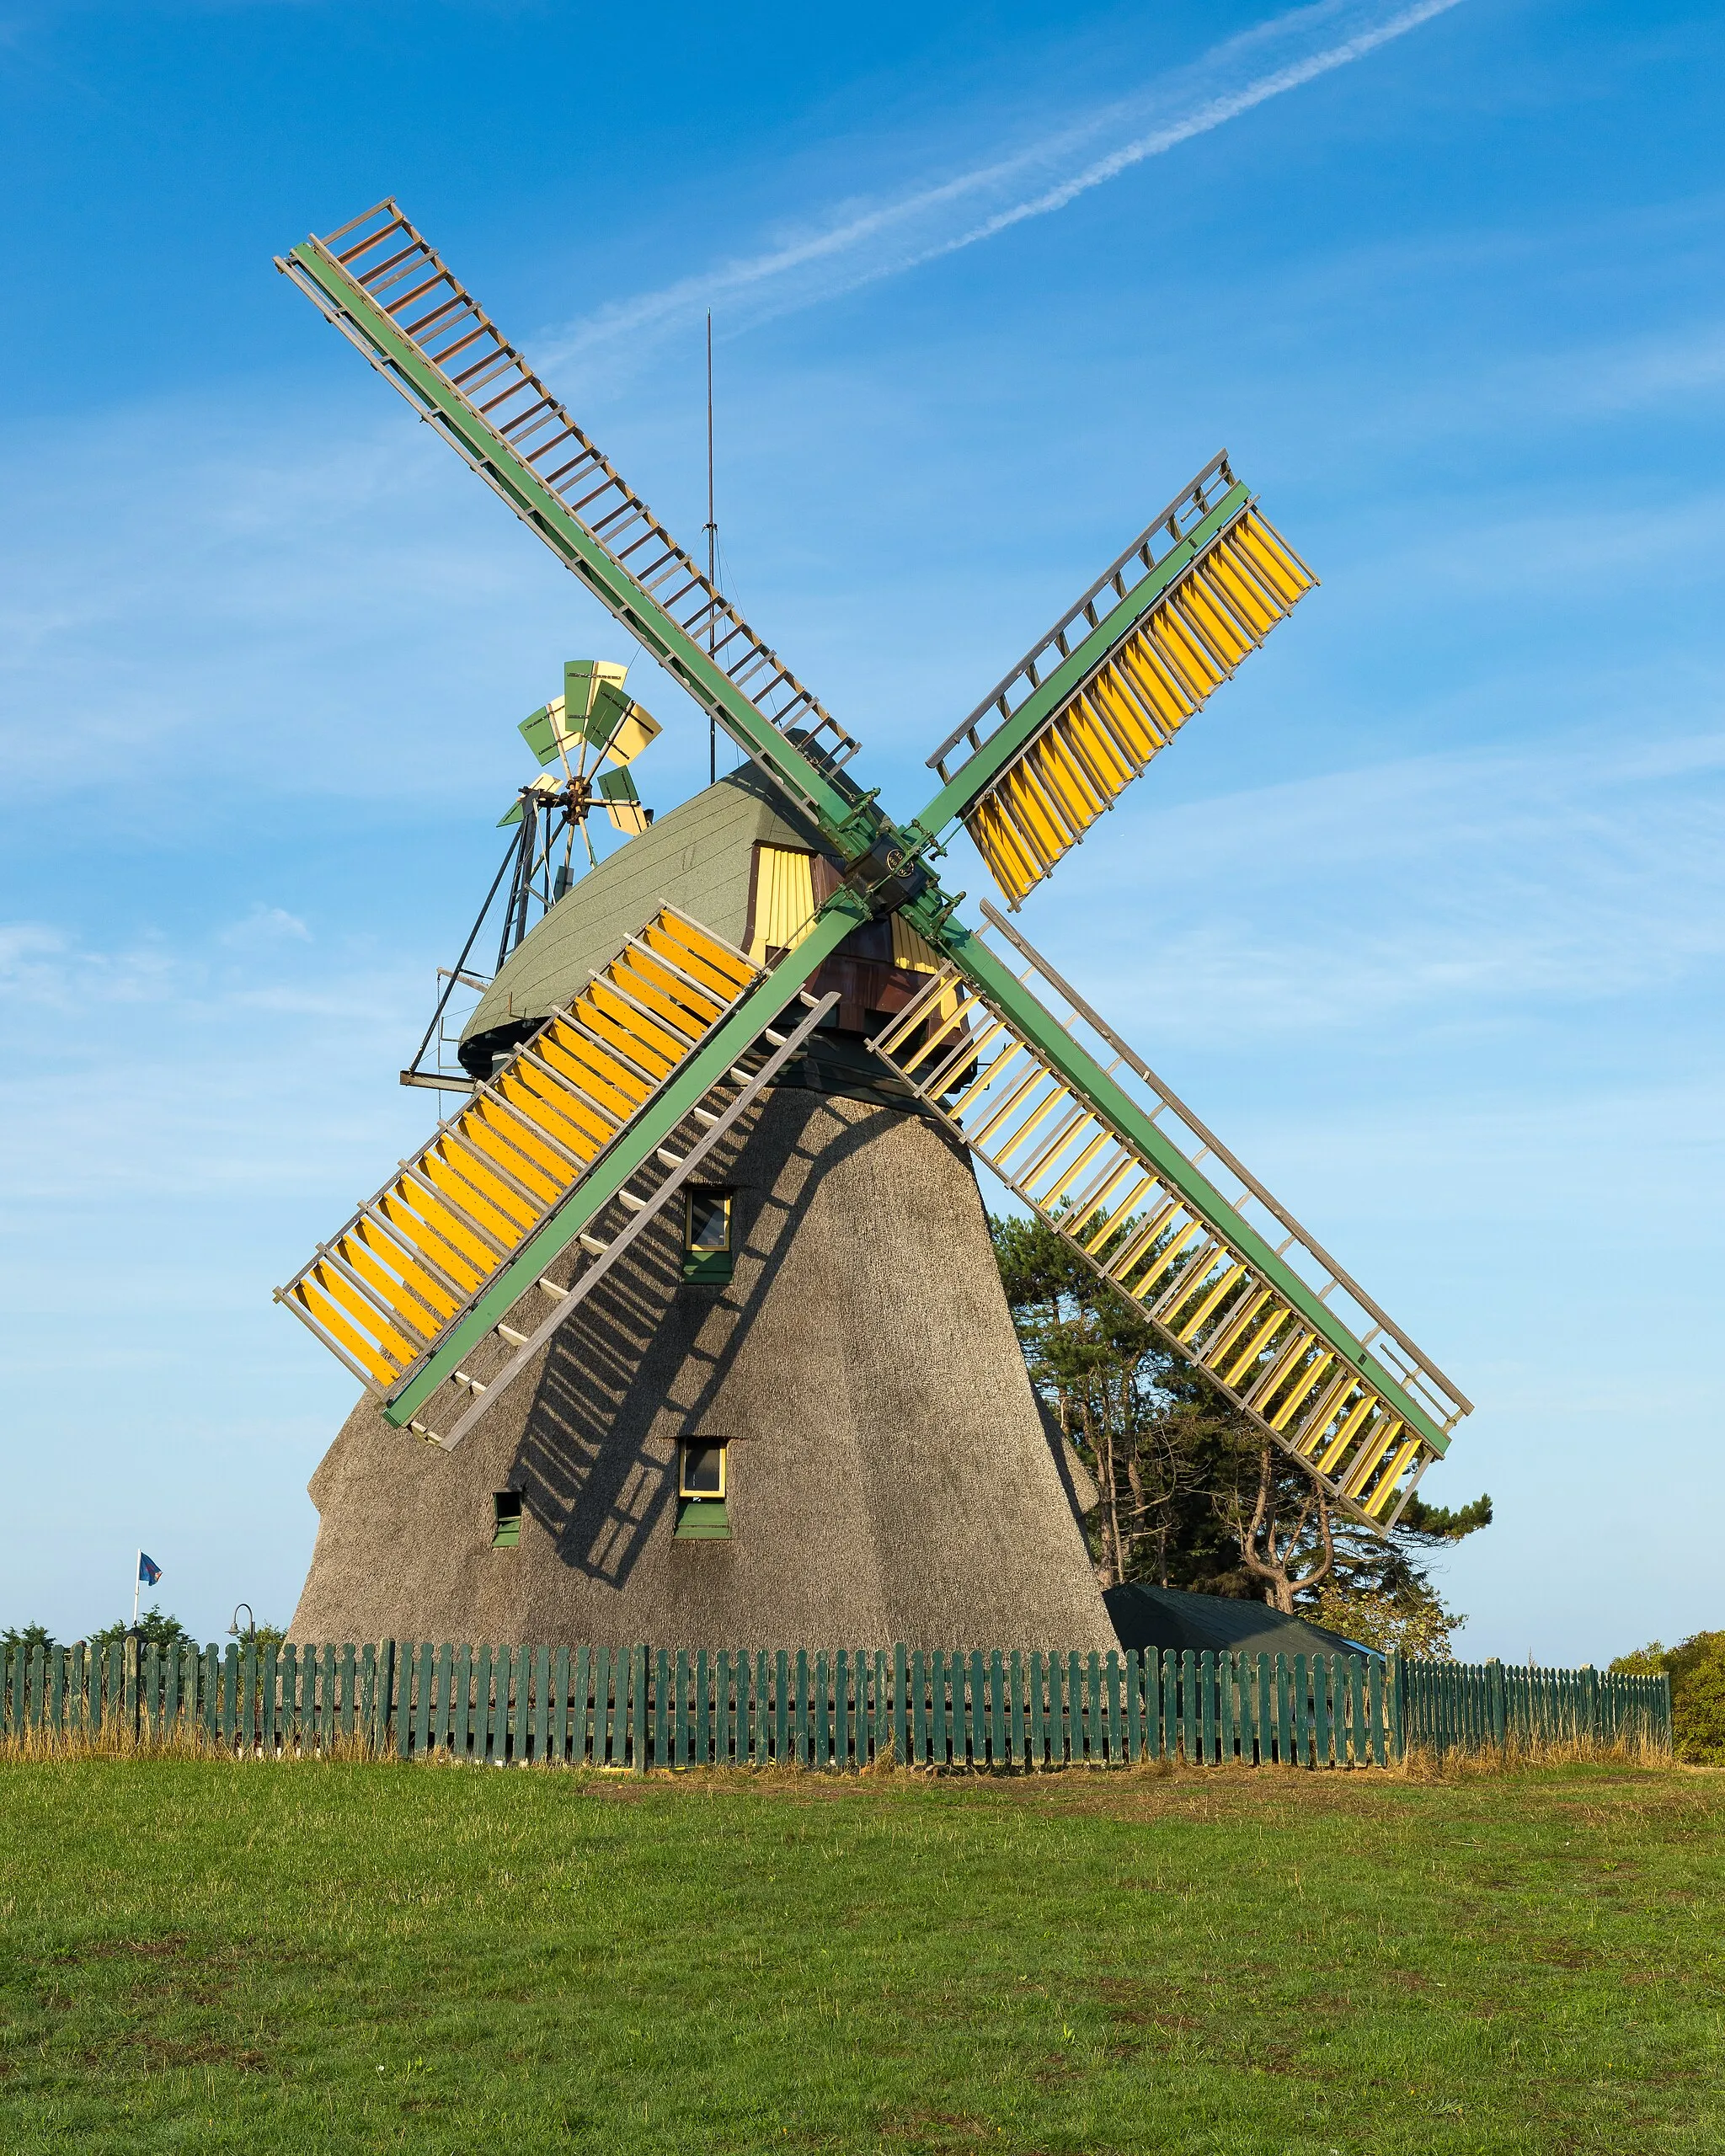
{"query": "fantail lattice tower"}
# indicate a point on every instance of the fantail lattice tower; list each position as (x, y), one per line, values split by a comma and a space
(686, 1327)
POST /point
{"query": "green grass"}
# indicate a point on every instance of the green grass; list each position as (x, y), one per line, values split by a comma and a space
(199, 1955)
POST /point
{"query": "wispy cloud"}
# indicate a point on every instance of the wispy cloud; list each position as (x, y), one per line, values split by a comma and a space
(1445, 893)
(860, 243)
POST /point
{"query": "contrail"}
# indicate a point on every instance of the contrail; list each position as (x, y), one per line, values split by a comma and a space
(863, 244)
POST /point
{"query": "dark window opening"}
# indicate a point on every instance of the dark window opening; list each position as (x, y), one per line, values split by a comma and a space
(701, 1465)
(707, 1237)
(703, 1484)
(506, 1519)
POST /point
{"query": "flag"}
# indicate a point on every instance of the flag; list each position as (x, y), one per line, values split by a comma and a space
(149, 1571)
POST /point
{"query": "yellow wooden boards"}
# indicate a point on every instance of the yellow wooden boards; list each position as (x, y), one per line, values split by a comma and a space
(1095, 1189)
(782, 902)
(415, 1258)
(1089, 750)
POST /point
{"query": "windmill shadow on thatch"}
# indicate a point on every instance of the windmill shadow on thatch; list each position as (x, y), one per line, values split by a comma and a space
(596, 1460)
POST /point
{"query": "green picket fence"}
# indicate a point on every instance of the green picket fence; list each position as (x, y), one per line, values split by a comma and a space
(1456, 1706)
(637, 1707)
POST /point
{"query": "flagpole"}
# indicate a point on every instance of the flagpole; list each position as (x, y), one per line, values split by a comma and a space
(137, 1582)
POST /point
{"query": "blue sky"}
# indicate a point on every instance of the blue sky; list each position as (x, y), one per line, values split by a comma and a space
(1423, 914)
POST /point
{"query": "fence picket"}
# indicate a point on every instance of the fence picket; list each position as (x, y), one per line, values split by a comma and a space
(981, 1710)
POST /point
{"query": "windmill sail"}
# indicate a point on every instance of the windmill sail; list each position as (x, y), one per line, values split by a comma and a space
(425, 1270)
(1077, 719)
(1279, 1328)
(384, 285)
(1051, 747)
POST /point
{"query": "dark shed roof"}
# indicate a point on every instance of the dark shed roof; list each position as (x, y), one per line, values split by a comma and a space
(1168, 1617)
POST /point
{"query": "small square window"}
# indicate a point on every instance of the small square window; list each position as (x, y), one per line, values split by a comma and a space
(703, 1479)
(707, 1237)
(701, 1465)
(506, 1519)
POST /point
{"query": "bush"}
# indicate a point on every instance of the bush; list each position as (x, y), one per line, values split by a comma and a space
(1413, 1621)
(1696, 1668)
(156, 1628)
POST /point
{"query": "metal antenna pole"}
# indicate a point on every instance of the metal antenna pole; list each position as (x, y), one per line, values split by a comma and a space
(711, 530)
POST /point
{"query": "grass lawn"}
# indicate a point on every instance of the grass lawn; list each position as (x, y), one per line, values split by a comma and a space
(201, 1956)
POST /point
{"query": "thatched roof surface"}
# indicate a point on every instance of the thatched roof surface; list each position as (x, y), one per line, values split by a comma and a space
(891, 1477)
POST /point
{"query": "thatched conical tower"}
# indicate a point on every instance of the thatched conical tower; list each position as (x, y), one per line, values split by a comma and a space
(887, 1473)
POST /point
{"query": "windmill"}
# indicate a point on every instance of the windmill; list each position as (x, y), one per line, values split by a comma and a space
(585, 741)
(512, 1278)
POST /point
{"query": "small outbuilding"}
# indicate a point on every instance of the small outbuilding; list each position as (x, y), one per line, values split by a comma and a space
(1164, 1617)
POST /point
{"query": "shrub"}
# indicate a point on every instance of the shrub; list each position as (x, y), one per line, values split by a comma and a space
(1696, 1668)
(1413, 1621)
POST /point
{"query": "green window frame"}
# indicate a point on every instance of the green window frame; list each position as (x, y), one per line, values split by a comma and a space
(703, 1485)
(709, 1226)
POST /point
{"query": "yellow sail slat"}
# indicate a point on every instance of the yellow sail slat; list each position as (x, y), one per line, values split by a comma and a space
(1167, 703)
(346, 1297)
(1062, 782)
(323, 1312)
(699, 954)
(1346, 1431)
(600, 1080)
(1139, 1240)
(1315, 1423)
(1376, 1446)
(1378, 1503)
(1092, 741)
(389, 1254)
(1096, 1234)
(420, 1218)
(409, 1313)
(1266, 1385)
(1236, 1360)
(1070, 1171)
(460, 1151)
(1233, 1328)
(508, 1144)
(648, 1046)
(1161, 1260)
(1269, 557)
(1227, 636)
(1031, 821)
(656, 996)
(1137, 726)
(560, 1115)
(1260, 610)
(459, 1190)
(614, 1090)
(1302, 1392)
(1232, 1273)
(696, 1006)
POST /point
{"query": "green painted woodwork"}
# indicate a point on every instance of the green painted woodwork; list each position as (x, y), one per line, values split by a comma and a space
(995, 981)
(836, 1712)
(637, 1143)
(701, 1519)
(972, 777)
